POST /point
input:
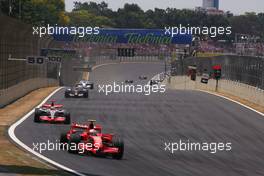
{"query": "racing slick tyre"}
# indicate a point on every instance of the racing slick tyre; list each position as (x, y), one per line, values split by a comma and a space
(37, 115)
(67, 118)
(73, 142)
(63, 140)
(86, 95)
(92, 86)
(66, 95)
(119, 143)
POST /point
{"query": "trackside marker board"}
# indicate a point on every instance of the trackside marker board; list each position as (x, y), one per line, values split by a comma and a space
(39, 60)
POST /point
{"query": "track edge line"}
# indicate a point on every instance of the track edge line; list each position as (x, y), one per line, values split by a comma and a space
(12, 128)
(11, 134)
(234, 101)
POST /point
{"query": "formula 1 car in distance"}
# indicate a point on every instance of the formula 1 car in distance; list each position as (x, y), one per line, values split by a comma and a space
(100, 144)
(52, 113)
(77, 91)
(129, 81)
(142, 77)
(205, 78)
(87, 84)
(154, 82)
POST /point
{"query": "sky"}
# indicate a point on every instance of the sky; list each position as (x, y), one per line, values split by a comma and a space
(235, 6)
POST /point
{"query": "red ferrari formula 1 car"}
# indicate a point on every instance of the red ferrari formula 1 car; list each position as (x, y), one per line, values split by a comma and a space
(52, 113)
(90, 140)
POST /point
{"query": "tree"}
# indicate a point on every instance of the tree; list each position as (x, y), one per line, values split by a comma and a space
(100, 9)
(41, 12)
(85, 18)
(131, 16)
(245, 24)
(36, 12)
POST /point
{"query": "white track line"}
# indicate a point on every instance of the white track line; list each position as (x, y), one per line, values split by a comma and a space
(11, 133)
(234, 101)
(12, 128)
(229, 99)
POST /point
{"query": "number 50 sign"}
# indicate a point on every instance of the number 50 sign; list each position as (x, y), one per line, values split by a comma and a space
(35, 60)
(39, 60)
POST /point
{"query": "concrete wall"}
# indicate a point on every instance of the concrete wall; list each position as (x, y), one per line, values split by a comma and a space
(19, 90)
(241, 90)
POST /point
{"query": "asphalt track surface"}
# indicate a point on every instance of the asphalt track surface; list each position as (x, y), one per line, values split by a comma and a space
(146, 122)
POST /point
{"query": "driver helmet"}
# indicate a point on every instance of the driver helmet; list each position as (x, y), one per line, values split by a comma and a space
(92, 132)
(91, 125)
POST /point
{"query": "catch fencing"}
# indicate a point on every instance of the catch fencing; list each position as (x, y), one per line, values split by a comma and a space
(243, 69)
(242, 76)
(16, 76)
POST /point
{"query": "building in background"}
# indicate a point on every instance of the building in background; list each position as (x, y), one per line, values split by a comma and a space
(213, 11)
(216, 4)
(209, 4)
(210, 7)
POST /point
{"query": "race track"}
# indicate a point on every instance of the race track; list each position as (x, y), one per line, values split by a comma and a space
(146, 122)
